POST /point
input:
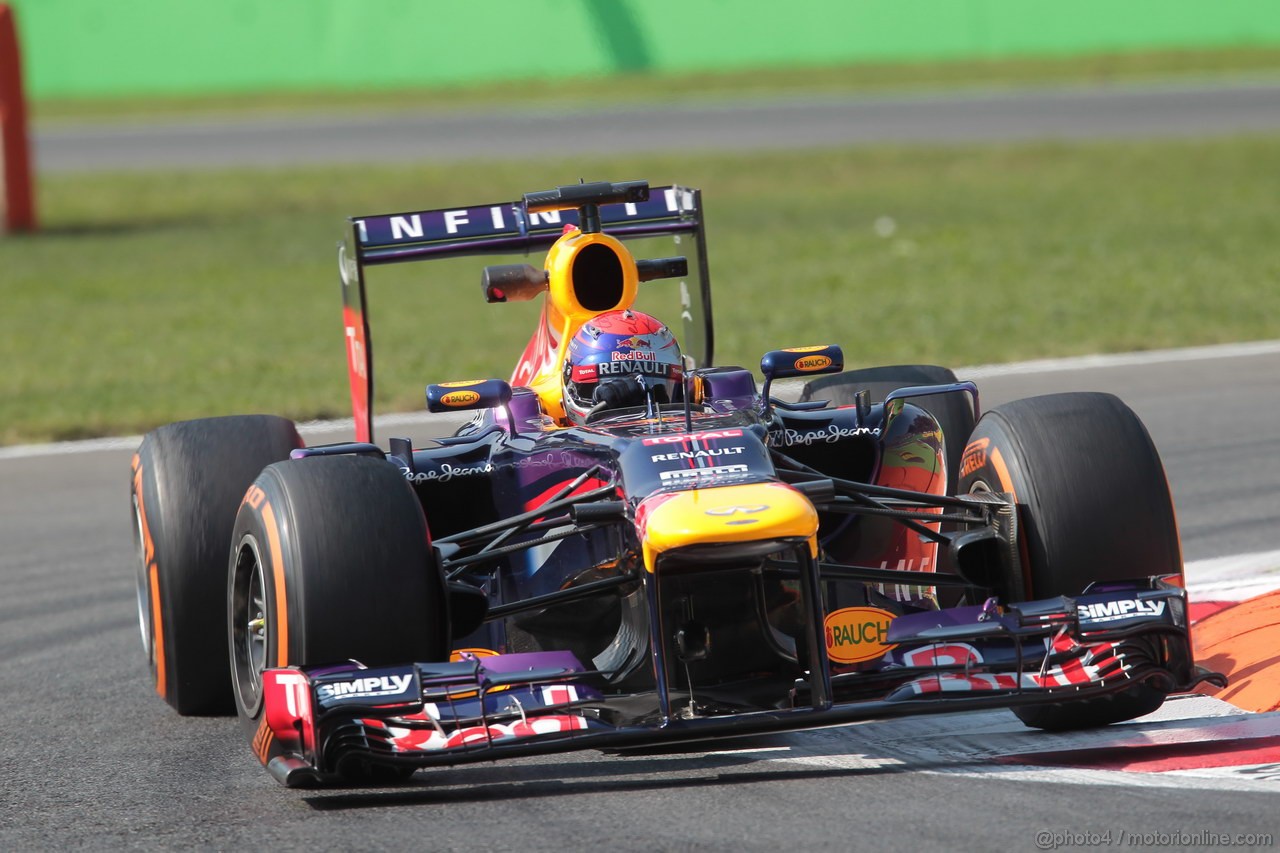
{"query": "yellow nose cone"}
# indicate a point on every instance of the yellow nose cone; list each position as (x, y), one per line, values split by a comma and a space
(724, 514)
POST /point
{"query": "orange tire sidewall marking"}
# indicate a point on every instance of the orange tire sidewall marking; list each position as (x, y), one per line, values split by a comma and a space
(1006, 484)
(153, 580)
(1002, 471)
(262, 740)
(157, 630)
(277, 571)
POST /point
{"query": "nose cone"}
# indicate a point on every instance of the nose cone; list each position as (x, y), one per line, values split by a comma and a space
(747, 513)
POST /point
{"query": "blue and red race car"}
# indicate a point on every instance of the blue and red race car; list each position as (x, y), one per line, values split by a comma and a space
(629, 546)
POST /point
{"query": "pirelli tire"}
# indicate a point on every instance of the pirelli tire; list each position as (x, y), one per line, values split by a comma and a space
(1093, 505)
(331, 562)
(954, 412)
(187, 482)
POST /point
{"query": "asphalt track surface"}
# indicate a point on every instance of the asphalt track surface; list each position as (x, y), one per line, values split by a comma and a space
(1116, 112)
(92, 758)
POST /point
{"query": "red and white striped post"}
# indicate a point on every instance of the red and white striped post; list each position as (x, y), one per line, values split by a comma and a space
(19, 208)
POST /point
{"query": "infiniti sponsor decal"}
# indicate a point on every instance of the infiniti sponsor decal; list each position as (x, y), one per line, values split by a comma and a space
(826, 435)
(1109, 611)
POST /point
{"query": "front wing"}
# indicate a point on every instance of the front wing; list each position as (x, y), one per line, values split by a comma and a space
(317, 720)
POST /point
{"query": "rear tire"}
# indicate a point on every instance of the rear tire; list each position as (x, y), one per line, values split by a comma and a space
(188, 479)
(953, 412)
(1093, 505)
(330, 562)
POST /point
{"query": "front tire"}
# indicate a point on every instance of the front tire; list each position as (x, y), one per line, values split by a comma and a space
(331, 562)
(188, 479)
(1093, 505)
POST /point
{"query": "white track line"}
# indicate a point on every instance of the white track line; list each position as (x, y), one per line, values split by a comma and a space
(1127, 359)
(1233, 578)
(1051, 365)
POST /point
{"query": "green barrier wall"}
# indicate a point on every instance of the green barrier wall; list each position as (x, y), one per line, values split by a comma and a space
(90, 48)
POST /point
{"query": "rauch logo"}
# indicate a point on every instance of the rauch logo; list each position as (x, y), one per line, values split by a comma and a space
(856, 634)
(460, 398)
(812, 362)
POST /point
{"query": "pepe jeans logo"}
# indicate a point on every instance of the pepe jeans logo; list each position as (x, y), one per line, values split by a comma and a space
(829, 434)
(446, 473)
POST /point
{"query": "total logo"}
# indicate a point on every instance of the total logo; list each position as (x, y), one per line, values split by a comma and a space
(364, 688)
(1109, 611)
(699, 436)
(857, 634)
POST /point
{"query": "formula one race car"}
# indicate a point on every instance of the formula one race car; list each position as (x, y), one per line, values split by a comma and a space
(627, 546)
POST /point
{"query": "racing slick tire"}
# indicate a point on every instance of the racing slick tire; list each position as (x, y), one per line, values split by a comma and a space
(953, 412)
(331, 562)
(188, 478)
(1093, 505)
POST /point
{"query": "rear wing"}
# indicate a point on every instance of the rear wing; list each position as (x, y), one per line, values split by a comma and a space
(507, 228)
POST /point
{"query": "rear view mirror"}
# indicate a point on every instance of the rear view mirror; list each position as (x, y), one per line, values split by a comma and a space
(799, 361)
(468, 396)
(802, 361)
(512, 282)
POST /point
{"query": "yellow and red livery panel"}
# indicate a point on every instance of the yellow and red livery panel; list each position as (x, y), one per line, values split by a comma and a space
(743, 513)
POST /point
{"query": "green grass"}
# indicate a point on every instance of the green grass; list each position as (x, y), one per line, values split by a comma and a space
(153, 297)
(872, 77)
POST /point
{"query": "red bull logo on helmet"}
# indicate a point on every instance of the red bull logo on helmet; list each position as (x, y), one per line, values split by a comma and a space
(634, 342)
(633, 356)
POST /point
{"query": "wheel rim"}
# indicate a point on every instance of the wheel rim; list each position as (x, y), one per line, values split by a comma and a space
(250, 627)
(143, 584)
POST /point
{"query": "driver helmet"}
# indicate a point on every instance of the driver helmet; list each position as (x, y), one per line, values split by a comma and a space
(620, 345)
